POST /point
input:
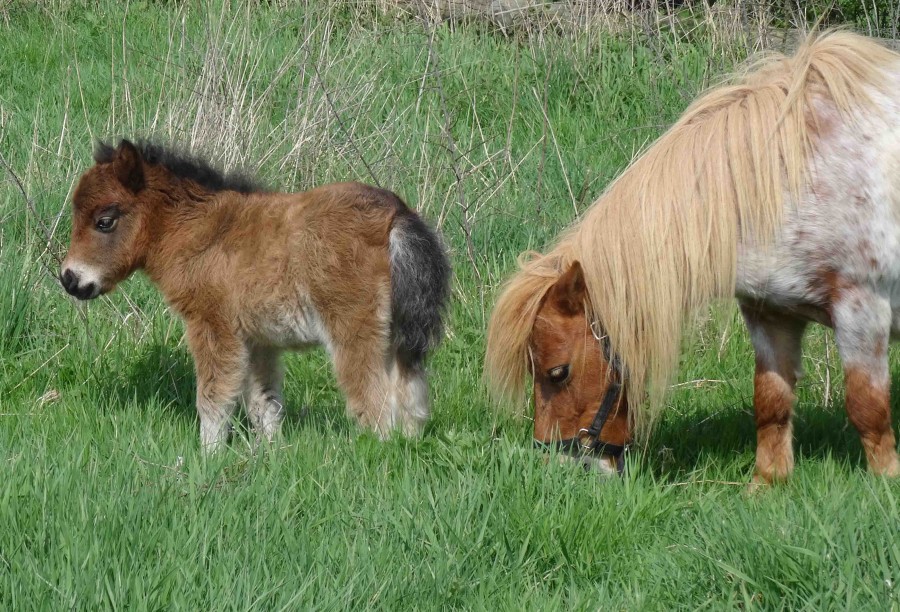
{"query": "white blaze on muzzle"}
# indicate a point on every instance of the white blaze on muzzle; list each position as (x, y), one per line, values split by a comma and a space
(81, 280)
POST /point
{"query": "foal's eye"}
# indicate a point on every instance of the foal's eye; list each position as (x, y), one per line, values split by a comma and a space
(558, 374)
(106, 224)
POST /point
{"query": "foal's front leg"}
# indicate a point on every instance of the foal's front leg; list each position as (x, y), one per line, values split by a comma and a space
(862, 324)
(776, 341)
(220, 361)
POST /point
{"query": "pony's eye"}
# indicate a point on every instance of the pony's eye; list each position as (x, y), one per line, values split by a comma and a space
(558, 374)
(106, 224)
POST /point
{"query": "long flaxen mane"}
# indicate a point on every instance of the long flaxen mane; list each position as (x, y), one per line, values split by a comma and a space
(661, 241)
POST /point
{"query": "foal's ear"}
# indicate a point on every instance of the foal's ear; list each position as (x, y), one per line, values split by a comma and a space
(128, 166)
(569, 292)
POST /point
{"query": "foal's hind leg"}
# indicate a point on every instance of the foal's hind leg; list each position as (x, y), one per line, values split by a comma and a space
(362, 361)
(862, 323)
(220, 360)
(776, 340)
(263, 394)
(410, 396)
(360, 346)
(363, 377)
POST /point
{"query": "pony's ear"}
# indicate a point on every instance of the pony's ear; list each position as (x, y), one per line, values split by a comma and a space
(129, 167)
(103, 153)
(568, 293)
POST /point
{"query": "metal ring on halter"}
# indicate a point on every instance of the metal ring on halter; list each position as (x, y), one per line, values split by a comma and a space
(614, 361)
(596, 331)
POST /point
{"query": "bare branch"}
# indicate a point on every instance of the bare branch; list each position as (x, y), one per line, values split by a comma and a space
(29, 203)
(450, 141)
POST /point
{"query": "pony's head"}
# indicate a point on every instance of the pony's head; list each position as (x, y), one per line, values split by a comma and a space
(541, 327)
(579, 404)
(109, 223)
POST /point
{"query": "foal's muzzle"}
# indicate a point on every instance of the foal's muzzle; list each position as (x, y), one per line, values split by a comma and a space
(71, 282)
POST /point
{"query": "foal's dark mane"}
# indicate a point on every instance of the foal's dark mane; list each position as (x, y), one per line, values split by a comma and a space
(184, 165)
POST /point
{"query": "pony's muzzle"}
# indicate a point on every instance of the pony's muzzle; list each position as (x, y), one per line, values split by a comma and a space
(75, 285)
(570, 451)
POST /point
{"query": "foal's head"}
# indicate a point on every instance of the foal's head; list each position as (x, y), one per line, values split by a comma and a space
(109, 223)
(575, 382)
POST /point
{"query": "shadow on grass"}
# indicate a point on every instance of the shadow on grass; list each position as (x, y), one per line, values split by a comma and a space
(158, 376)
(683, 444)
(164, 376)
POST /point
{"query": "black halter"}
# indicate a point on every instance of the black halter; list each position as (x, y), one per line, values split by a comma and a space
(587, 441)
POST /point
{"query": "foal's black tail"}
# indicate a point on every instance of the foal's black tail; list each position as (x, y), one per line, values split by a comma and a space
(420, 286)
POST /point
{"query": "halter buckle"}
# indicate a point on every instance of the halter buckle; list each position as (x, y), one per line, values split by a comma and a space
(587, 448)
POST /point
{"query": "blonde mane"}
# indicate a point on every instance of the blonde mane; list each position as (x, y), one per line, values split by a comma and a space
(661, 241)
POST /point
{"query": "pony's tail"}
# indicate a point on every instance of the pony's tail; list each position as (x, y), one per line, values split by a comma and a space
(420, 286)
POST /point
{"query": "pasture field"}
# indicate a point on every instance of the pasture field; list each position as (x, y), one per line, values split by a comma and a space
(499, 138)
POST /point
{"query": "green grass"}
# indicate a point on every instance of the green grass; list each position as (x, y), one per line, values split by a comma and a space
(105, 499)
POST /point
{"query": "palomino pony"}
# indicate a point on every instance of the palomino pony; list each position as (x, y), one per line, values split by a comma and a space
(782, 189)
(253, 273)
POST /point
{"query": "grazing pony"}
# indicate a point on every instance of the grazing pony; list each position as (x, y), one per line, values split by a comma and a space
(782, 189)
(253, 273)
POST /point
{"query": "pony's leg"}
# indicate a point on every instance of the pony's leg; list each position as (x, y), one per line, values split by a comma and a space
(263, 393)
(776, 341)
(220, 360)
(410, 390)
(862, 323)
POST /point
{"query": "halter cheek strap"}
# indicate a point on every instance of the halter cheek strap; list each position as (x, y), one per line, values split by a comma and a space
(594, 445)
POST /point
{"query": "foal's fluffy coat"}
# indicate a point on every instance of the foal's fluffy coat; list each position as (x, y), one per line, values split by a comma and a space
(252, 273)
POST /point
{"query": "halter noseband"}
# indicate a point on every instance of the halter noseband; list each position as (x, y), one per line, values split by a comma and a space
(576, 446)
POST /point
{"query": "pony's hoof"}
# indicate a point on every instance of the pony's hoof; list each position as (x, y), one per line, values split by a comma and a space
(757, 486)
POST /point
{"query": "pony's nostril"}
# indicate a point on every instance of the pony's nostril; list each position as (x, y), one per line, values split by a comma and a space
(69, 280)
